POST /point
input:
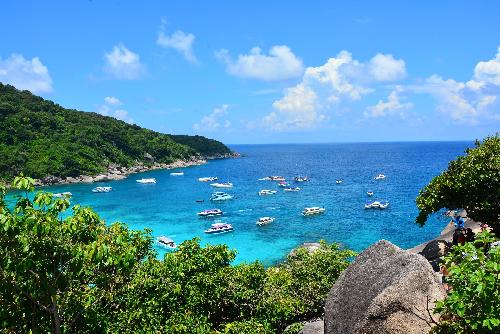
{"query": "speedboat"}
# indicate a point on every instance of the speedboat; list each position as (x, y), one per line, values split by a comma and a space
(292, 189)
(283, 184)
(65, 194)
(222, 185)
(264, 192)
(301, 178)
(177, 174)
(315, 210)
(210, 213)
(219, 228)
(380, 177)
(150, 180)
(102, 189)
(208, 179)
(265, 220)
(369, 193)
(220, 196)
(376, 205)
(338, 181)
(277, 178)
(166, 242)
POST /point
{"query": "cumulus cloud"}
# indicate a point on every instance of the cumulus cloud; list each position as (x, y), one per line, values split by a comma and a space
(110, 108)
(392, 106)
(280, 64)
(340, 78)
(122, 63)
(27, 74)
(489, 71)
(214, 120)
(179, 41)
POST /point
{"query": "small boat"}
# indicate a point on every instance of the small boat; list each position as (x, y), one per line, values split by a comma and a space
(292, 189)
(208, 179)
(376, 205)
(267, 178)
(277, 178)
(166, 242)
(338, 181)
(369, 193)
(265, 220)
(301, 178)
(315, 210)
(264, 192)
(65, 194)
(177, 174)
(150, 180)
(283, 184)
(102, 189)
(210, 213)
(219, 228)
(220, 196)
(200, 200)
(380, 177)
(222, 185)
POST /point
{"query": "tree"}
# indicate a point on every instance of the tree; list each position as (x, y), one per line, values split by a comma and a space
(471, 182)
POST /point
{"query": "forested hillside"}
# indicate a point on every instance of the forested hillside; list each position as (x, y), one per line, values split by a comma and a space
(39, 138)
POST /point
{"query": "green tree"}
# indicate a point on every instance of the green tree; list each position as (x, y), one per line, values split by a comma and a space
(471, 182)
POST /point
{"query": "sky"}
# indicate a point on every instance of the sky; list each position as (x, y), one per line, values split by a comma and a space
(265, 71)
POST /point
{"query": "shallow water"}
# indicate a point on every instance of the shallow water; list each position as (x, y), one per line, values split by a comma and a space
(169, 207)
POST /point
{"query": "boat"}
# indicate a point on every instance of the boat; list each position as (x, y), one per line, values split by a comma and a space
(292, 189)
(219, 228)
(65, 194)
(301, 178)
(264, 192)
(210, 213)
(265, 220)
(267, 178)
(222, 185)
(369, 193)
(380, 177)
(200, 200)
(166, 242)
(315, 210)
(376, 204)
(208, 179)
(102, 189)
(338, 181)
(177, 174)
(283, 184)
(150, 180)
(272, 178)
(220, 196)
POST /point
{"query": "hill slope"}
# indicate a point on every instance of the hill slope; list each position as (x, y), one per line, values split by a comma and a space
(40, 138)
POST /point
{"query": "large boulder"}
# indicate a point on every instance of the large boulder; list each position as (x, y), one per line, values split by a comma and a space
(313, 327)
(385, 290)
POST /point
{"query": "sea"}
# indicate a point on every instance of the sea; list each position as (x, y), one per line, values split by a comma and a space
(170, 206)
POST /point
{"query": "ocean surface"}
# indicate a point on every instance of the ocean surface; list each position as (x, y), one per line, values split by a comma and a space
(169, 207)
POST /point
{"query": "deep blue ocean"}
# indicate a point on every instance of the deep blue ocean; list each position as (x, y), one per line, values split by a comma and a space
(169, 207)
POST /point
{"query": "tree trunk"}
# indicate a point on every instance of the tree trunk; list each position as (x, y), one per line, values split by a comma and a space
(56, 319)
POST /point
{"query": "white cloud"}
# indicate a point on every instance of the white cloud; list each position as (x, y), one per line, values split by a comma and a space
(393, 106)
(23, 73)
(109, 108)
(214, 120)
(179, 41)
(386, 68)
(280, 64)
(489, 71)
(122, 63)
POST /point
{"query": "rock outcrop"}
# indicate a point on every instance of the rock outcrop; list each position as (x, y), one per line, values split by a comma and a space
(385, 290)
(313, 327)
(310, 247)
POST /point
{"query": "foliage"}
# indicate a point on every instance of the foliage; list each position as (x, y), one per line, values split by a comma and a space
(79, 275)
(471, 182)
(40, 138)
(473, 305)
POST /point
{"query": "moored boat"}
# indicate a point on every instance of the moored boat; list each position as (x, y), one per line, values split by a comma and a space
(315, 210)
(150, 180)
(338, 181)
(283, 184)
(102, 189)
(376, 204)
(292, 189)
(208, 179)
(210, 213)
(65, 194)
(166, 242)
(369, 193)
(219, 228)
(301, 178)
(264, 192)
(222, 185)
(220, 196)
(380, 177)
(265, 220)
(177, 173)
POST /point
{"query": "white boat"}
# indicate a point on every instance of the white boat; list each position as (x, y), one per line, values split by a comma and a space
(177, 174)
(102, 189)
(219, 228)
(284, 184)
(222, 185)
(150, 180)
(220, 196)
(277, 178)
(264, 192)
(65, 194)
(210, 213)
(265, 220)
(376, 205)
(301, 178)
(338, 181)
(292, 189)
(208, 179)
(166, 242)
(369, 193)
(315, 210)
(380, 177)
(267, 178)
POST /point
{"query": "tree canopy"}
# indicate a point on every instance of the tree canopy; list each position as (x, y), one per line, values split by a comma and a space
(471, 182)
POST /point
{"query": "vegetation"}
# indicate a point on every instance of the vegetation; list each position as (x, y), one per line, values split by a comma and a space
(76, 274)
(471, 182)
(473, 305)
(40, 138)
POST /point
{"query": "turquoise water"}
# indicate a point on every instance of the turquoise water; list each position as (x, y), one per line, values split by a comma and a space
(169, 207)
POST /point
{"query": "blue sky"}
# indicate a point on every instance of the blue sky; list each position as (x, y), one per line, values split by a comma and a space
(262, 71)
